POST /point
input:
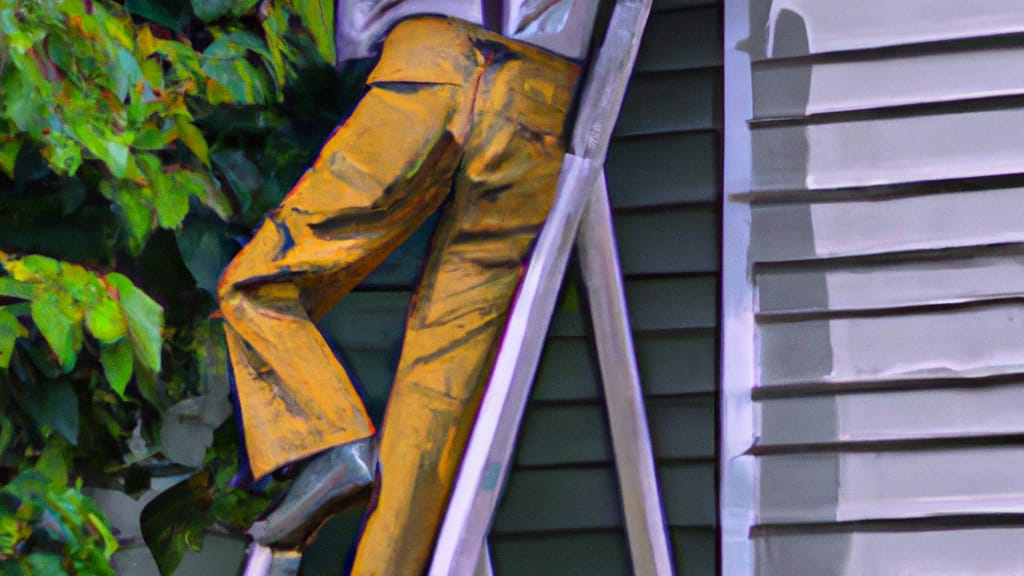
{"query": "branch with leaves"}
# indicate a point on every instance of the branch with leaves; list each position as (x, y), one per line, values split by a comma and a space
(61, 299)
(139, 142)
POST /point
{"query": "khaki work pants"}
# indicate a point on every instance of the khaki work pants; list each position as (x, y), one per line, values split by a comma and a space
(451, 111)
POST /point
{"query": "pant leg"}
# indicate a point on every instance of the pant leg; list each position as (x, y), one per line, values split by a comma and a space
(386, 169)
(503, 193)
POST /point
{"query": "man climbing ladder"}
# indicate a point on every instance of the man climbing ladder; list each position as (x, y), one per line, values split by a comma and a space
(452, 112)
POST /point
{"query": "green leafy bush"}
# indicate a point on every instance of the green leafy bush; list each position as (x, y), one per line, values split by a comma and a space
(140, 141)
(50, 528)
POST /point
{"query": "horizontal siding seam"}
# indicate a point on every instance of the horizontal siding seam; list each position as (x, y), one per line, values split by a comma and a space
(819, 388)
(893, 51)
(661, 399)
(908, 257)
(917, 524)
(889, 191)
(915, 109)
(937, 443)
(790, 317)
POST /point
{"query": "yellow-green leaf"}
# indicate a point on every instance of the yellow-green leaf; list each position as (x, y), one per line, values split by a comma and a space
(203, 186)
(10, 330)
(8, 154)
(193, 138)
(170, 202)
(52, 463)
(113, 153)
(145, 320)
(14, 289)
(56, 328)
(33, 268)
(232, 79)
(117, 364)
(135, 211)
(318, 17)
(109, 541)
(105, 321)
(151, 137)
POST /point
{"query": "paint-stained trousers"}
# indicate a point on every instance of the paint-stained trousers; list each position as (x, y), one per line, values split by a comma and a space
(451, 111)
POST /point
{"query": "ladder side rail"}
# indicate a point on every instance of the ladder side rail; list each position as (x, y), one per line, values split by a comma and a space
(483, 567)
(620, 377)
(609, 76)
(486, 459)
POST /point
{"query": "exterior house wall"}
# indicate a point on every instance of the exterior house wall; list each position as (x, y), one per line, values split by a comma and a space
(883, 277)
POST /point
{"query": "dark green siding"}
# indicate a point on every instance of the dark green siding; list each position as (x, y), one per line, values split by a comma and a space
(561, 513)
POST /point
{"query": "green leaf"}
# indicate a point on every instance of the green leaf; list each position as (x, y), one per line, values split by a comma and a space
(6, 435)
(104, 146)
(24, 101)
(117, 360)
(170, 13)
(46, 563)
(171, 203)
(72, 195)
(105, 321)
(203, 187)
(56, 328)
(10, 330)
(238, 508)
(53, 464)
(8, 154)
(235, 43)
(318, 18)
(53, 517)
(14, 289)
(63, 154)
(206, 249)
(145, 320)
(194, 139)
(13, 568)
(175, 520)
(151, 137)
(134, 209)
(148, 384)
(33, 268)
(235, 81)
(109, 541)
(242, 175)
(126, 73)
(118, 28)
(55, 405)
(210, 10)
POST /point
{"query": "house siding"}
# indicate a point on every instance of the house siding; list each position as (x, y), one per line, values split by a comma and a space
(885, 254)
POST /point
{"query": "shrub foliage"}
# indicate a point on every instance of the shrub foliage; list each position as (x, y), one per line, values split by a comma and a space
(140, 141)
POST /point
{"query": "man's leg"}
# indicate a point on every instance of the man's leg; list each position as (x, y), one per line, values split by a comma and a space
(379, 176)
(503, 194)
